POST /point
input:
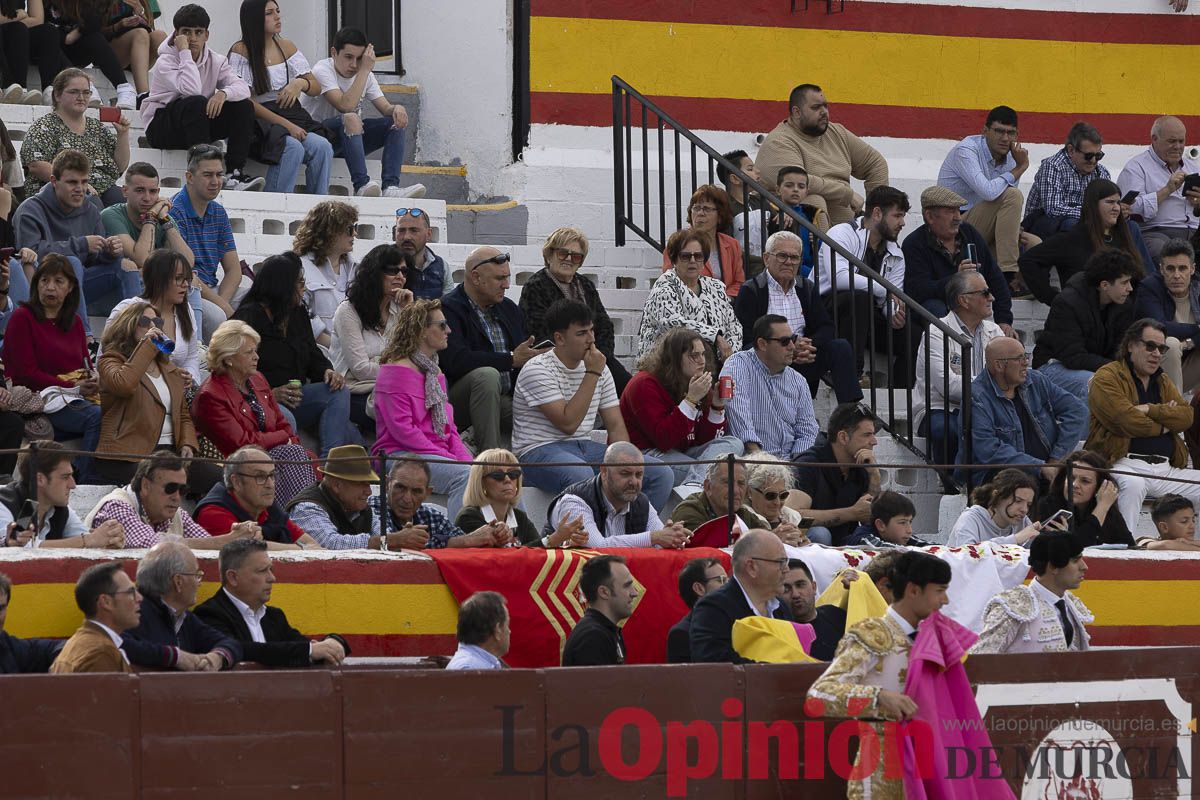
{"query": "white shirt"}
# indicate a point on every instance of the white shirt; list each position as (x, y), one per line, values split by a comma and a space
(167, 436)
(278, 75)
(253, 619)
(909, 630)
(116, 637)
(321, 109)
(325, 290)
(572, 506)
(546, 379)
(187, 351)
(470, 656)
(489, 515)
(772, 604)
(74, 526)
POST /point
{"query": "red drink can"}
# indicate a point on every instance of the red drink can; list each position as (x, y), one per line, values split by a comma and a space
(725, 387)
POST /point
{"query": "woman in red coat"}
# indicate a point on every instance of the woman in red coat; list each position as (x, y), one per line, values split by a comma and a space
(672, 408)
(235, 408)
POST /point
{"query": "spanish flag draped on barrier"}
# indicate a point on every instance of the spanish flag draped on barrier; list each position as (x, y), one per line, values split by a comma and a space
(544, 602)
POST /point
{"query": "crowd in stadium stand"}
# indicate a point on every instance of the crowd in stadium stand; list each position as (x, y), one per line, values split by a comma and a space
(472, 396)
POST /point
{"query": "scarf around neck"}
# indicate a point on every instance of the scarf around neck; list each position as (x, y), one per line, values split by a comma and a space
(435, 398)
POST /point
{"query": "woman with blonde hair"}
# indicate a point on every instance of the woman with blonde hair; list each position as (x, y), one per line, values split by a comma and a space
(143, 400)
(324, 241)
(235, 407)
(412, 411)
(494, 493)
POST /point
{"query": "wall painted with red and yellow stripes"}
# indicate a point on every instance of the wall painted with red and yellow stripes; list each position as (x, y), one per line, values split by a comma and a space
(889, 69)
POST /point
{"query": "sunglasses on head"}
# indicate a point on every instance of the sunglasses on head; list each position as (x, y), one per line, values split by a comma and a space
(147, 322)
(502, 258)
(499, 475)
(414, 212)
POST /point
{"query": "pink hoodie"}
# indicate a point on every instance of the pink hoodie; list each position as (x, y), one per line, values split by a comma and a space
(176, 75)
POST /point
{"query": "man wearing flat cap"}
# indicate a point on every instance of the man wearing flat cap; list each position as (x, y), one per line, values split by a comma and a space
(335, 511)
(941, 248)
(1043, 617)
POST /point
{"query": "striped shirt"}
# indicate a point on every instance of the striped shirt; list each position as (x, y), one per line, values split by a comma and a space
(210, 236)
(773, 411)
(545, 379)
(495, 333)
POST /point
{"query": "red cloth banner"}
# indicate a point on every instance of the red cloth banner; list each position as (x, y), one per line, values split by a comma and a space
(541, 587)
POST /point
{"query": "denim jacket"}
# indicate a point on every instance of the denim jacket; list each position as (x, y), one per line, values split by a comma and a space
(995, 429)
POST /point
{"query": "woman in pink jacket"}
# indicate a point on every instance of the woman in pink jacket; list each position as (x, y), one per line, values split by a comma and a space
(412, 413)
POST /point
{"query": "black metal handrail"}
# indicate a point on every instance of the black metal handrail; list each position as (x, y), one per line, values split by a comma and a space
(654, 119)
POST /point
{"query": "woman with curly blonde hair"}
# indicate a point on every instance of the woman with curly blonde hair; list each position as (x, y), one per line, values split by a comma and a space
(324, 241)
(412, 411)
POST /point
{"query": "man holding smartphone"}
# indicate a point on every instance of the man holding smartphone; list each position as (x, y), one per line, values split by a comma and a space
(1168, 202)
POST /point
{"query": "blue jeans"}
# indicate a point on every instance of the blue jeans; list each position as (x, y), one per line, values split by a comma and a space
(941, 427)
(819, 534)
(315, 152)
(1074, 381)
(377, 132)
(105, 284)
(719, 447)
(326, 409)
(79, 418)
(18, 289)
(657, 483)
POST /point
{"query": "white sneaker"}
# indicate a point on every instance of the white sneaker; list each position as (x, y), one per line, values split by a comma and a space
(126, 97)
(48, 96)
(416, 190)
(237, 182)
(96, 100)
(371, 189)
(32, 97)
(12, 94)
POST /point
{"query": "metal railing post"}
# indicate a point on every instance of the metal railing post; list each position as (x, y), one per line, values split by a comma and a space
(729, 495)
(618, 167)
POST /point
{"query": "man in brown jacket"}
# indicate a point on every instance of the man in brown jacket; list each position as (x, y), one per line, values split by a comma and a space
(828, 152)
(111, 605)
(1136, 420)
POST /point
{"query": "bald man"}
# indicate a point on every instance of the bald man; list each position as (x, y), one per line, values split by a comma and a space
(488, 345)
(1165, 208)
(759, 564)
(1018, 415)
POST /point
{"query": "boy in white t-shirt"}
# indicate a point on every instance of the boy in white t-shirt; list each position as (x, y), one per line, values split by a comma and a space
(346, 81)
(556, 400)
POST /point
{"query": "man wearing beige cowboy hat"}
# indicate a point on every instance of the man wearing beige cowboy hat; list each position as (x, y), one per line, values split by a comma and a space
(335, 511)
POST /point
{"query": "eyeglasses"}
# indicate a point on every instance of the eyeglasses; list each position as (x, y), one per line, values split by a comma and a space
(787, 258)
(77, 92)
(771, 497)
(173, 488)
(1025, 359)
(1096, 156)
(352, 230)
(783, 341)
(198, 574)
(409, 212)
(699, 258)
(984, 292)
(262, 479)
(183, 280)
(130, 592)
(563, 254)
(720, 579)
(146, 322)
(703, 209)
(391, 269)
(513, 475)
(502, 258)
(1004, 133)
(1155, 347)
(779, 562)
(441, 323)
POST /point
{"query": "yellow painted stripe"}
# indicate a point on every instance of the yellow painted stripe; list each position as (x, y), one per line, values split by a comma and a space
(501, 206)
(421, 169)
(1116, 603)
(48, 609)
(858, 67)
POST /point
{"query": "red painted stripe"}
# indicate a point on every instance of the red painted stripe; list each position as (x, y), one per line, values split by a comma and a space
(996, 23)
(903, 122)
(378, 645)
(340, 571)
(1145, 635)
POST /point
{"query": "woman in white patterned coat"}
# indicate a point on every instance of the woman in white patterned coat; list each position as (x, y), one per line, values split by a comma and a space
(682, 297)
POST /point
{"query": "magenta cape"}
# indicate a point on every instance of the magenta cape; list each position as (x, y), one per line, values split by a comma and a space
(937, 682)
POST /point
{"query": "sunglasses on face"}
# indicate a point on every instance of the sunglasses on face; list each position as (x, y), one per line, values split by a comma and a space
(406, 212)
(502, 258)
(391, 270)
(1096, 156)
(563, 254)
(1155, 347)
(984, 292)
(697, 257)
(773, 496)
(784, 340)
(441, 323)
(147, 322)
(513, 475)
(173, 488)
